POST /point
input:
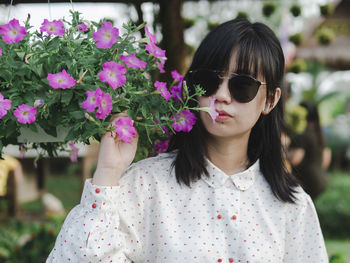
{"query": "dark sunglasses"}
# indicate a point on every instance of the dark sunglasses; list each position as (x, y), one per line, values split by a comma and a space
(243, 88)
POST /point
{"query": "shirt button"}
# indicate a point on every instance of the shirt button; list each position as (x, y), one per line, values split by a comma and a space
(219, 260)
(97, 190)
(230, 260)
(234, 217)
(219, 217)
(94, 205)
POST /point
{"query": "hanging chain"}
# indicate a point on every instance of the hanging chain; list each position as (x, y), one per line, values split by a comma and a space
(9, 13)
(49, 6)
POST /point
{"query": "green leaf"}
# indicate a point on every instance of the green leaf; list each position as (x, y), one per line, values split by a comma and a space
(21, 55)
(54, 43)
(66, 97)
(77, 115)
(144, 111)
(5, 74)
(33, 127)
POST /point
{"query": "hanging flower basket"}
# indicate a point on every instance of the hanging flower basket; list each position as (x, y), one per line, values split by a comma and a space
(72, 76)
(27, 135)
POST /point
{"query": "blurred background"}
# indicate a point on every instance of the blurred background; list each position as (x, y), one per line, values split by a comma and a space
(315, 37)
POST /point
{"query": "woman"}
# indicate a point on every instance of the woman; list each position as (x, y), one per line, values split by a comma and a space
(308, 154)
(221, 193)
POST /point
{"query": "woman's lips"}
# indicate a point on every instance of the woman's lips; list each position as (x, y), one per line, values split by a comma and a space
(223, 115)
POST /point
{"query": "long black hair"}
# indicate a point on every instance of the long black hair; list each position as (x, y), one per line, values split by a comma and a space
(313, 117)
(257, 50)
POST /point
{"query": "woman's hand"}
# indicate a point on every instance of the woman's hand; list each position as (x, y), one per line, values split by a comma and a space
(114, 156)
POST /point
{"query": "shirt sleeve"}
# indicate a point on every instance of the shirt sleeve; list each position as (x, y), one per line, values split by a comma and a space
(92, 233)
(304, 240)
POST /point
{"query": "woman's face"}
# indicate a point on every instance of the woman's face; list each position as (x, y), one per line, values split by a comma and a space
(235, 119)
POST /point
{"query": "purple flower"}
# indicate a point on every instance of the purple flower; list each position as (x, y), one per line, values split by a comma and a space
(161, 146)
(161, 87)
(166, 131)
(177, 76)
(151, 46)
(155, 51)
(25, 114)
(93, 100)
(105, 106)
(160, 64)
(5, 105)
(82, 27)
(125, 128)
(132, 61)
(54, 27)
(61, 80)
(73, 153)
(12, 32)
(106, 36)
(113, 74)
(0, 51)
(176, 92)
(183, 121)
(212, 111)
(151, 38)
(100, 100)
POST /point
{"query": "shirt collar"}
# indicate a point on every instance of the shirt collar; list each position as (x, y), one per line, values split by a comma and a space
(242, 180)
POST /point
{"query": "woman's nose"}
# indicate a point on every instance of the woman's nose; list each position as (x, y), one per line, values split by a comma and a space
(223, 93)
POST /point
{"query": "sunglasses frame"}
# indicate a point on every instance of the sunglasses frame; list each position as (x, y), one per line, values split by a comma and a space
(232, 76)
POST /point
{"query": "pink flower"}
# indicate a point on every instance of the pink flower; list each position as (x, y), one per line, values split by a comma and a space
(151, 47)
(176, 92)
(161, 87)
(161, 146)
(0, 51)
(25, 114)
(93, 100)
(54, 27)
(155, 51)
(12, 32)
(132, 61)
(5, 105)
(160, 64)
(106, 36)
(125, 129)
(113, 74)
(183, 121)
(82, 27)
(212, 111)
(105, 106)
(100, 100)
(61, 80)
(151, 38)
(73, 153)
(177, 76)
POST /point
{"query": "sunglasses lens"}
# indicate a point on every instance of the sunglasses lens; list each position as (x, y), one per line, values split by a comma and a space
(206, 79)
(243, 88)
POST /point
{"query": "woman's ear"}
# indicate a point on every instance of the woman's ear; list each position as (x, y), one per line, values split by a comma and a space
(271, 103)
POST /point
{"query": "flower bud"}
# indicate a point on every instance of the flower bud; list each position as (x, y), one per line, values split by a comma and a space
(38, 103)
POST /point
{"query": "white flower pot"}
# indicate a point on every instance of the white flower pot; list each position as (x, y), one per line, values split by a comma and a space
(27, 135)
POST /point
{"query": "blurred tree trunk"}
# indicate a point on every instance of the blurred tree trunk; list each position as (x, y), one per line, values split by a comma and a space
(173, 35)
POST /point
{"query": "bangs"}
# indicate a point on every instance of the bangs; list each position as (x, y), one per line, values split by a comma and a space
(248, 45)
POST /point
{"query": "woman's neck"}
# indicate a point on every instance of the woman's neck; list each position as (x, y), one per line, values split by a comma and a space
(230, 155)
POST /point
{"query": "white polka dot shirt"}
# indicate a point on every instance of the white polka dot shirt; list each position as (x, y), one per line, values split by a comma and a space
(149, 217)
